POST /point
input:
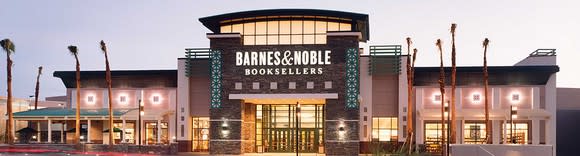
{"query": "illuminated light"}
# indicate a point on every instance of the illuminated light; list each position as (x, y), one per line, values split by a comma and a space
(142, 113)
(123, 99)
(156, 99)
(436, 97)
(476, 97)
(515, 97)
(225, 128)
(90, 99)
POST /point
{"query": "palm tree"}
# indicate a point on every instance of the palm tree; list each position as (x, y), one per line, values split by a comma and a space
(442, 90)
(108, 77)
(75, 52)
(37, 87)
(9, 48)
(453, 77)
(409, 97)
(485, 85)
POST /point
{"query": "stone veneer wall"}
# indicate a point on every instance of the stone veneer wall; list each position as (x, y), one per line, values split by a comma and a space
(232, 110)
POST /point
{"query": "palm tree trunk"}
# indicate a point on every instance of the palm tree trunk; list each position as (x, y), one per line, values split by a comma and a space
(10, 124)
(409, 97)
(442, 91)
(453, 78)
(109, 86)
(37, 88)
(485, 85)
(78, 101)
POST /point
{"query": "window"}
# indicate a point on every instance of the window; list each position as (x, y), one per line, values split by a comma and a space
(200, 134)
(433, 136)
(474, 133)
(385, 128)
(151, 132)
(287, 31)
(520, 133)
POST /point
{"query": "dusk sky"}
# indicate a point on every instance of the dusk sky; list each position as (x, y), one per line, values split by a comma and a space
(152, 34)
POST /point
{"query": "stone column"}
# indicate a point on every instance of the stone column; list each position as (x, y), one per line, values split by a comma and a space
(88, 130)
(123, 133)
(62, 129)
(158, 131)
(49, 131)
(38, 128)
(535, 131)
(496, 137)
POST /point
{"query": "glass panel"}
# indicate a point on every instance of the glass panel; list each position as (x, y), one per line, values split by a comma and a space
(272, 27)
(345, 27)
(272, 40)
(237, 28)
(260, 40)
(284, 28)
(296, 39)
(395, 123)
(320, 39)
(332, 26)
(261, 28)
(308, 27)
(249, 40)
(226, 29)
(308, 39)
(296, 27)
(249, 28)
(320, 27)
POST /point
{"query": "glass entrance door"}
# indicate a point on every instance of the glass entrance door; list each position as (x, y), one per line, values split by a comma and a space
(277, 131)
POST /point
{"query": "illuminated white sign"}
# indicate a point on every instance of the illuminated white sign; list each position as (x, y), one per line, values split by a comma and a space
(269, 62)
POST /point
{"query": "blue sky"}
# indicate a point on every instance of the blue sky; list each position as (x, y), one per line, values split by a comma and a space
(151, 34)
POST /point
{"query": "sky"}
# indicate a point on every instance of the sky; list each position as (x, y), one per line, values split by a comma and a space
(152, 34)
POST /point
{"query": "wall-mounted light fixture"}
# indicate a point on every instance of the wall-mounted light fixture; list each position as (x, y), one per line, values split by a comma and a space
(515, 97)
(156, 99)
(476, 97)
(123, 99)
(90, 99)
(225, 128)
(341, 130)
(436, 98)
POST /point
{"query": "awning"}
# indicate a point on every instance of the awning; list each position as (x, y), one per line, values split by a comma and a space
(69, 113)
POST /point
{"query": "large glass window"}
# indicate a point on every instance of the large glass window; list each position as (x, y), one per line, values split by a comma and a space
(200, 134)
(520, 133)
(474, 133)
(278, 30)
(129, 132)
(385, 128)
(152, 132)
(433, 136)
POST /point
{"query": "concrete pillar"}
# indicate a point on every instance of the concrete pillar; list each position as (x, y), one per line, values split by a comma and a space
(420, 131)
(88, 130)
(62, 129)
(460, 135)
(38, 135)
(535, 131)
(123, 133)
(49, 131)
(159, 131)
(496, 129)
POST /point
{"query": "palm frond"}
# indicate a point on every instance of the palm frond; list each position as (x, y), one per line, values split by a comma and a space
(103, 46)
(453, 26)
(439, 44)
(409, 42)
(73, 50)
(39, 70)
(485, 42)
(8, 46)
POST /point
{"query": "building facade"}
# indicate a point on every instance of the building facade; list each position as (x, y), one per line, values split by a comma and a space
(297, 80)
